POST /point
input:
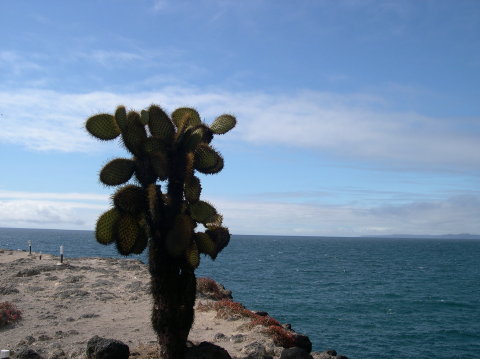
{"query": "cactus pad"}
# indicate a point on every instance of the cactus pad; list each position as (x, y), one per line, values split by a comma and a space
(105, 228)
(121, 117)
(134, 134)
(193, 188)
(127, 233)
(185, 117)
(140, 244)
(103, 126)
(117, 172)
(160, 124)
(130, 199)
(192, 139)
(223, 124)
(204, 243)
(192, 256)
(144, 117)
(207, 160)
(154, 144)
(202, 212)
(220, 236)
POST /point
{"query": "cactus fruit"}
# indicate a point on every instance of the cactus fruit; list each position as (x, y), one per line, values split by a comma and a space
(117, 172)
(103, 126)
(105, 228)
(223, 124)
(163, 148)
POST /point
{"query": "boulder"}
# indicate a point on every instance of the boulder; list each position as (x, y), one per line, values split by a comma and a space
(57, 354)
(262, 314)
(295, 353)
(27, 353)
(328, 354)
(206, 350)
(302, 341)
(255, 350)
(101, 348)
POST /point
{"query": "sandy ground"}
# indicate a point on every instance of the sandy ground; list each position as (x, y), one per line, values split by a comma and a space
(63, 306)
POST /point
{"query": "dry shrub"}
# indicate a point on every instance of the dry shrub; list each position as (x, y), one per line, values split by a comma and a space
(9, 313)
(209, 287)
(226, 309)
(265, 321)
(281, 336)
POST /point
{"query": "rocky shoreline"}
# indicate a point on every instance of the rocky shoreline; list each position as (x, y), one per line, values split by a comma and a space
(64, 306)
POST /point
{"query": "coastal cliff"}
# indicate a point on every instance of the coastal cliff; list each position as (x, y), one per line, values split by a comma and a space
(64, 305)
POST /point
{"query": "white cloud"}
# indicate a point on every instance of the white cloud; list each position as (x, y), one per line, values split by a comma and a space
(111, 58)
(48, 214)
(51, 210)
(341, 125)
(53, 196)
(159, 5)
(17, 63)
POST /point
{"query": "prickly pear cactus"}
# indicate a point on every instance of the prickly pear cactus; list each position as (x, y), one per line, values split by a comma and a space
(166, 153)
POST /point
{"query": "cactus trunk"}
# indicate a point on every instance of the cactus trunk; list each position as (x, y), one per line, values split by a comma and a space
(173, 291)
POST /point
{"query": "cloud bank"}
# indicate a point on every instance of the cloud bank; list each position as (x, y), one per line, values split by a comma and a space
(457, 214)
(346, 126)
(50, 210)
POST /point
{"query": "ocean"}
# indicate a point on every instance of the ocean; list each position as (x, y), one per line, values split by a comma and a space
(364, 297)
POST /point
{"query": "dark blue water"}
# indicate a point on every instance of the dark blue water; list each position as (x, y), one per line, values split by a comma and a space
(366, 298)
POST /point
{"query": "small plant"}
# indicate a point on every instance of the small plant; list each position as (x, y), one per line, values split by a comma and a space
(9, 314)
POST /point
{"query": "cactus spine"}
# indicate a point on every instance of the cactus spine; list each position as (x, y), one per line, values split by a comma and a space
(162, 210)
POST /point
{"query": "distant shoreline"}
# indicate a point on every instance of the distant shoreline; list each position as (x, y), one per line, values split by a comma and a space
(376, 236)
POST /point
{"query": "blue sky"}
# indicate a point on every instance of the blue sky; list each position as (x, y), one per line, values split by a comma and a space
(354, 117)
